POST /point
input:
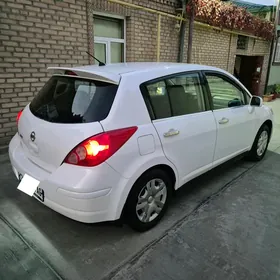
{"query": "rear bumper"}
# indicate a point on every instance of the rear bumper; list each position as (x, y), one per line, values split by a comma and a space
(83, 194)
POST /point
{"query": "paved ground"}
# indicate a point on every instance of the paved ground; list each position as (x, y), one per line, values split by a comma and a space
(233, 235)
(223, 225)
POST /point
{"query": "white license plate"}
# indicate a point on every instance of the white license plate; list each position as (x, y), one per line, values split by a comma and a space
(28, 185)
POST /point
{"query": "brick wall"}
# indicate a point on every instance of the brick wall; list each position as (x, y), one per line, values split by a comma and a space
(210, 47)
(255, 47)
(36, 34)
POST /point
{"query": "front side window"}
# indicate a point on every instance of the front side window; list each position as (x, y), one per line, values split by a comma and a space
(73, 100)
(176, 96)
(109, 39)
(224, 93)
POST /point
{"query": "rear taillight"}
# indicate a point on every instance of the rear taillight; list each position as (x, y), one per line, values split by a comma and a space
(99, 148)
(19, 115)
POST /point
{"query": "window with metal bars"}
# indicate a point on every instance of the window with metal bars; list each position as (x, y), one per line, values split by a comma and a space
(242, 42)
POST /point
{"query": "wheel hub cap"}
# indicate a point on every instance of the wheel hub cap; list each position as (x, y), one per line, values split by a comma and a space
(151, 200)
(262, 143)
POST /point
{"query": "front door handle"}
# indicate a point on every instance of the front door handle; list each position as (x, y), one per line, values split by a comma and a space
(171, 132)
(223, 121)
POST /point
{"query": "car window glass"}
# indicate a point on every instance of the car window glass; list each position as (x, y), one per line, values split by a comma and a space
(186, 94)
(159, 99)
(83, 97)
(73, 100)
(176, 96)
(224, 94)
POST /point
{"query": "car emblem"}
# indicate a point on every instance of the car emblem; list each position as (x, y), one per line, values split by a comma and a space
(32, 136)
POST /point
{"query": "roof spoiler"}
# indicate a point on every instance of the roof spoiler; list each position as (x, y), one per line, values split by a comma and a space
(96, 75)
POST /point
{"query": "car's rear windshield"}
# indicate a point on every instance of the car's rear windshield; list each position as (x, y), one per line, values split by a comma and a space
(73, 100)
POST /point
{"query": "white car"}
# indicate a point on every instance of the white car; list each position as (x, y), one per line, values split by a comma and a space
(98, 143)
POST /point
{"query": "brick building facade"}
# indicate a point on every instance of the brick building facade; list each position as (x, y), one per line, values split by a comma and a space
(36, 34)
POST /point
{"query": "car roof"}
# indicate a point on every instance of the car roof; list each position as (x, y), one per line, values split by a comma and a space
(122, 68)
(113, 72)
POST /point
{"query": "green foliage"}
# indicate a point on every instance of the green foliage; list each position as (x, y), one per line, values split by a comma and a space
(277, 88)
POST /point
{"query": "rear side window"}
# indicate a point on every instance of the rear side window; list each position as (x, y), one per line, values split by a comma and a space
(73, 100)
(159, 99)
(179, 95)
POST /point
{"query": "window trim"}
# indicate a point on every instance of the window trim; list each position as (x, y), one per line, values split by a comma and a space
(147, 98)
(102, 14)
(109, 40)
(228, 79)
(96, 41)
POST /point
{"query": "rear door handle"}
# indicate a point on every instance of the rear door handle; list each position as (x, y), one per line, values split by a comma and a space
(223, 121)
(171, 132)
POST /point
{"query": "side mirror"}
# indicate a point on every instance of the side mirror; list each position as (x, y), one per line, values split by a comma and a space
(256, 101)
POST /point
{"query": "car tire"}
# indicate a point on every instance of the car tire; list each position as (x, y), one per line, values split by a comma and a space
(257, 153)
(148, 200)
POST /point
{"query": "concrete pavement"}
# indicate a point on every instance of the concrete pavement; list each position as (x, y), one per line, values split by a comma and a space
(220, 226)
(233, 235)
(80, 251)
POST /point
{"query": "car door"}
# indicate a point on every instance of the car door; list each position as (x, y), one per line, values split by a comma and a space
(184, 122)
(234, 117)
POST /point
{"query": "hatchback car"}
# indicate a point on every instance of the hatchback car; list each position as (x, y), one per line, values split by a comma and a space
(98, 143)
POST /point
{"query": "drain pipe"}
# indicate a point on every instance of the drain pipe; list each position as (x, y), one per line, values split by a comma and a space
(269, 65)
(190, 40)
(182, 33)
(272, 46)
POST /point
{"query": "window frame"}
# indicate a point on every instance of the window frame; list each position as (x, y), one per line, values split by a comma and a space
(229, 80)
(147, 98)
(108, 40)
(106, 48)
